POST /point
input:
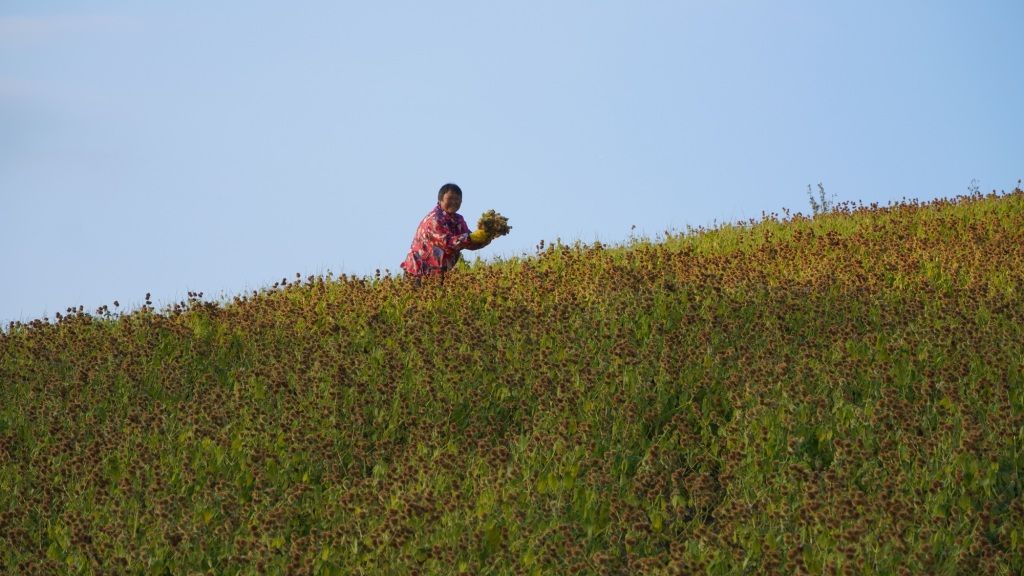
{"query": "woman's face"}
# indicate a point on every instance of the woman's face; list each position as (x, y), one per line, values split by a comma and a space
(450, 202)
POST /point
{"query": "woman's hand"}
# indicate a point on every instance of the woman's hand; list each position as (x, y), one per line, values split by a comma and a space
(480, 237)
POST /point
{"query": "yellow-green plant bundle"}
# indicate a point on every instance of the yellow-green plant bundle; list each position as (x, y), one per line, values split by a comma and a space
(842, 394)
(494, 224)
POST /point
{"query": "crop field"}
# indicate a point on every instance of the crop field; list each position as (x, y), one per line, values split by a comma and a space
(836, 395)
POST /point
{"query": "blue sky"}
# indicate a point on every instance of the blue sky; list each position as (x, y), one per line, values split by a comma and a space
(217, 147)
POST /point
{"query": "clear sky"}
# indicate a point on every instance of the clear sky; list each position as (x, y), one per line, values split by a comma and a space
(169, 147)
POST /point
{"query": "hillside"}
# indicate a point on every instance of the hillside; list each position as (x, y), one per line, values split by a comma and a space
(836, 395)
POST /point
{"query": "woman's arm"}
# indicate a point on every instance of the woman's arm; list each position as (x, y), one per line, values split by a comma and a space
(435, 234)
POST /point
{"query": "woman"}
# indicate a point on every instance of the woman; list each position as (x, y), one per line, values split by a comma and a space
(441, 237)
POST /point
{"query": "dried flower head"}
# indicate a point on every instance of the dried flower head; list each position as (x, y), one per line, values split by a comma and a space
(494, 224)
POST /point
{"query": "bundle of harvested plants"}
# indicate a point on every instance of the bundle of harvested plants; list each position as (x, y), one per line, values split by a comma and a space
(494, 224)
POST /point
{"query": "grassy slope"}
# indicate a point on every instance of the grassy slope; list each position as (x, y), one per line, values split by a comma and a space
(842, 394)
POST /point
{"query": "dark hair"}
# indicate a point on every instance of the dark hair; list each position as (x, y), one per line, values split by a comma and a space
(453, 188)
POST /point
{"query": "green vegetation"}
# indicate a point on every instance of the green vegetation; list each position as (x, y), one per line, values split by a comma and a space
(822, 204)
(842, 394)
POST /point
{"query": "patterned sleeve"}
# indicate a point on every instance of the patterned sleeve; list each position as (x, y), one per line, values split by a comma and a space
(437, 235)
(463, 227)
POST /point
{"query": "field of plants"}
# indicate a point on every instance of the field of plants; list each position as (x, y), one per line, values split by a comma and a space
(837, 395)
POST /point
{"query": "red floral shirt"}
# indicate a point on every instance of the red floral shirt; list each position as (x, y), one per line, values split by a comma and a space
(438, 243)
